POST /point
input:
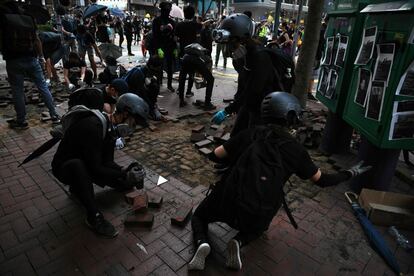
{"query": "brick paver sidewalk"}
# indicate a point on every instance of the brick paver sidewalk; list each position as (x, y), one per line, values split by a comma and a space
(42, 230)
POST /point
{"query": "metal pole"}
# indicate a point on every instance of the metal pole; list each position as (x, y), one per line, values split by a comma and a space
(296, 35)
(277, 14)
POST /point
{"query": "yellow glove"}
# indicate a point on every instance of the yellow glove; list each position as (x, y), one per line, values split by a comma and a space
(160, 53)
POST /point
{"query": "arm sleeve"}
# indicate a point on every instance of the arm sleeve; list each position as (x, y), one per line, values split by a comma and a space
(90, 130)
(327, 180)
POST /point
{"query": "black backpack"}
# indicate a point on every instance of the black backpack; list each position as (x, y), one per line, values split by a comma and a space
(90, 97)
(251, 192)
(19, 34)
(284, 68)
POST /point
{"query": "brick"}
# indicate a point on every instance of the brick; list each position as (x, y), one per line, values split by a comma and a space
(129, 197)
(197, 128)
(140, 203)
(20, 226)
(173, 242)
(205, 151)
(197, 137)
(152, 128)
(148, 266)
(8, 240)
(173, 260)
(155, 234)
(13, 264)
(182, 216)
(163, 270)
(21, 248)
(215, 127)
(225, 137)
(38, 257)
(139, 220)
(202, 143)
(154, 200)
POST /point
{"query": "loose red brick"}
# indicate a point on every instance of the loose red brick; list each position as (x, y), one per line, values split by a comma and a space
(197, 137)
(182, 216)
(129, 197)
(202, 143)
(140, 203)
(139, 220)
(197, 128)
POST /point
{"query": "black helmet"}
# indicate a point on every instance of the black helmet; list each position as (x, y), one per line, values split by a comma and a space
(237, 25)
(134, 105)
(279, 106)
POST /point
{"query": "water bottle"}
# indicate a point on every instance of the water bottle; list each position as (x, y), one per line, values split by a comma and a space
(401, 240)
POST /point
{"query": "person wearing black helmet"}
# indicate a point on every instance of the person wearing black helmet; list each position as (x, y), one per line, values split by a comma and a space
(248, 204)
(163, 40)
(258, 79)
(142, 80)
(86, 156)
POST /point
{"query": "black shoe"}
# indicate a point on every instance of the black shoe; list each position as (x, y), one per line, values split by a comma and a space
(189, 94)
(101, 226)
(172, 90)
(183, 103)
(233, 259)
(56, 120)
(131, 54)
(16, 125)
(209, 106)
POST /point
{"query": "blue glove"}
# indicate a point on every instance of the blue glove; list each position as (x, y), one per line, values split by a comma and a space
(219, 117)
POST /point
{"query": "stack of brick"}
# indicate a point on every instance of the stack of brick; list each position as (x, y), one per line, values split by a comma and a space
(205, 139)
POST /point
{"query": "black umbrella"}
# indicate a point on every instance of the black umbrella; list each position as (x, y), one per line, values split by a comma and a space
(93, 9)
(38, 13)
(40, 150)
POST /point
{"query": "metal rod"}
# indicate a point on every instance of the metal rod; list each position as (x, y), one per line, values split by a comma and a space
(277, 14)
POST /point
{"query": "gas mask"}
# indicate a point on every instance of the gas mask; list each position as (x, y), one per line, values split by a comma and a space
(240, 52)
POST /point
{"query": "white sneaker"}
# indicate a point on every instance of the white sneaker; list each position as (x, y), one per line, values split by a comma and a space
(233, 255)
(198, 260)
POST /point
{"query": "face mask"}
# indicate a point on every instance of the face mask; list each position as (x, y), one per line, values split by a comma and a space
(165, 13)
(240, 52)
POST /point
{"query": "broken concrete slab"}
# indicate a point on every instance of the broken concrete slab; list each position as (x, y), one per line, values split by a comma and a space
(197, 137)
(202, 143)
(205, 151)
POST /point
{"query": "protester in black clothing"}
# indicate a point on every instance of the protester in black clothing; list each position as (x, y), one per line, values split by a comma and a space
(129, 33)
(136, 23)
(197, 60)
(53, 52)
(258, 81)
(163, 39)
(86, 156)
(87, 44)
(102, 28)
(116, 88)
(206, 40)
(279, 111)
(142, 80)
(120, 30)
(74, 69)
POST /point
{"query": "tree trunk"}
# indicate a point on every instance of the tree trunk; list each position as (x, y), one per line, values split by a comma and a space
(307, 53)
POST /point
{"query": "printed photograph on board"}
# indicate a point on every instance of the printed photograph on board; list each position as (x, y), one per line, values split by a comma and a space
(341, 52)
(323, 83)
(375, 100)
(384, 62)
(406, 84)
(328, 51)
(364, 82)
(332, 79)
(402, 126)
(404, 106)
(367, 47)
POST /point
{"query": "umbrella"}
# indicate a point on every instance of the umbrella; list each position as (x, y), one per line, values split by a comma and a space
(38, 13)
(117, 12)
(109, 49)
(40, 150)
(374, 237)
(93, 10)
(176, 12)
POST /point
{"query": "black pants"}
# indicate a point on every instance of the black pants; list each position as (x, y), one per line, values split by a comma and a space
(169, 60)
(209, 211)
(121, 38)
(190, 66)
(74, 173)
(129, 43)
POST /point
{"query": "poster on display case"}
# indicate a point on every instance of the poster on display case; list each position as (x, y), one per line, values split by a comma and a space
(367, 46)
(364, 85)
(375, 100)
(406, 84)
(341, 51)
(383, 65)
(402, 126)
(328, 51)
(323, 84)
(332, 79)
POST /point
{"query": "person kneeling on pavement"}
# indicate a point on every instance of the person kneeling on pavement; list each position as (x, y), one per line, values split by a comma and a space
(86, 155)
(196, 59)
(142, 80)
(261, 159)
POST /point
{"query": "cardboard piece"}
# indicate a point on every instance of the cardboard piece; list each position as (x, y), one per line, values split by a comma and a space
(182, 216)
(386, 208)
